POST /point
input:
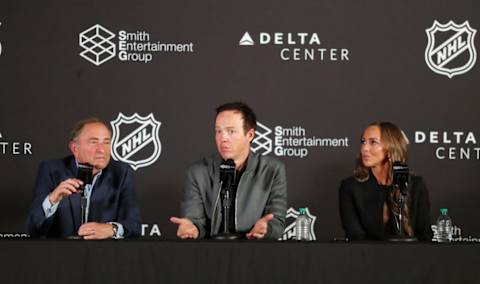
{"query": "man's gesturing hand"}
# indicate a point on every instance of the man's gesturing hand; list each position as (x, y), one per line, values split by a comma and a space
(186, 229)
(261, 228)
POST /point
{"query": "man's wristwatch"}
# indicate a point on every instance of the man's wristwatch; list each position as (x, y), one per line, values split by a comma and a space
(115, 230)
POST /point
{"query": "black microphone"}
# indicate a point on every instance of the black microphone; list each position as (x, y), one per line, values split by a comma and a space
(400, 178)
(85, 174)
(227, 179)
(227, 173)
(400, 175)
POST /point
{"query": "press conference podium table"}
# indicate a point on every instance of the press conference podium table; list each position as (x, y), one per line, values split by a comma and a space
(148, 261)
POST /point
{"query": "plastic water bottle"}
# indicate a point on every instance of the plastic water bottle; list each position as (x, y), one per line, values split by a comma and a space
(444, 227)
(302, 226)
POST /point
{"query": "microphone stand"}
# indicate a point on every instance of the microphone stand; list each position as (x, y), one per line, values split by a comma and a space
(83, 208)
(226, 203)
(85, 174)
(226, 210)
(401, 237)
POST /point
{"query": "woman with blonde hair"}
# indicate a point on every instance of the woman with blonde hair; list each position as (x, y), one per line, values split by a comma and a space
(369, 207)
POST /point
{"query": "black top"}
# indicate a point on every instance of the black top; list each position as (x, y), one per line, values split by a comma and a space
(361, 208)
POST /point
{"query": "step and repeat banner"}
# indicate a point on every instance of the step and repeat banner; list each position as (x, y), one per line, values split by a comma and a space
(315, 72)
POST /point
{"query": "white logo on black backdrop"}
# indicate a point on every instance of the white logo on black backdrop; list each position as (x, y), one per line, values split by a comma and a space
(13, 235)
(262, 144)
(99, 47)
(290, 141)
(456, 235)
(97, 44)
(135, 140)
(450, 145)
(246, 40)
(150, 230)
(15, 148)
(292, 214)
(300, 46)
(450, 50)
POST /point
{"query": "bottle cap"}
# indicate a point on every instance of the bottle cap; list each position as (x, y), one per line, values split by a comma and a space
(444, 211)
(302, 210)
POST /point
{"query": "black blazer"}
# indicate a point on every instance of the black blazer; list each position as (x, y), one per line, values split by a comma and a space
(361, 208)
(113, 199)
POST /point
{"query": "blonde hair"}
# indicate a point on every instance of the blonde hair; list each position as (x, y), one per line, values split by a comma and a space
(396, 144)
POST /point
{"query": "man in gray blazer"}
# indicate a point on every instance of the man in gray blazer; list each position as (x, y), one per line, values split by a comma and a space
(260, 188)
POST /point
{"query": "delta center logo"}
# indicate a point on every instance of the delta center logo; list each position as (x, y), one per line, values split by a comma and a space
(297, 46)
(14, 148)
(290, 141)
(450, 144)
(100, 45)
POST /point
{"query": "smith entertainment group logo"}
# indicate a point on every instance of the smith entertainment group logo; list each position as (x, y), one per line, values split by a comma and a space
(456, 235)
(135, 140)
(450, 145)
(290, 141)
(300, 46)
(99, 45)
(15, 148)
(262, 144)
(450, 50)
(292, 214)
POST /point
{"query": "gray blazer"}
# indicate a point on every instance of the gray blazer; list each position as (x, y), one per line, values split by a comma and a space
(262, 190)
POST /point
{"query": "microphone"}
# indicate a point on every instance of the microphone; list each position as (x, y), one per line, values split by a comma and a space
(227, 173)
(85, 174)
(227, 180)
(400, 175)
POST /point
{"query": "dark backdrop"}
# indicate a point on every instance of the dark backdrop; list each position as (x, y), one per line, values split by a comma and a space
(45, 86)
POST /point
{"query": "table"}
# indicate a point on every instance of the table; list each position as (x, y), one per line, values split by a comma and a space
(208, 261)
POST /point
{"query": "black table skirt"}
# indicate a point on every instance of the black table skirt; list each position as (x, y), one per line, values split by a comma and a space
(146, 261)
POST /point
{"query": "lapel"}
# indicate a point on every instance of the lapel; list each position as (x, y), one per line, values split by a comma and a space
(376, 193)
(100, 192)
(217, 160)
(246, 182)
(216, 202)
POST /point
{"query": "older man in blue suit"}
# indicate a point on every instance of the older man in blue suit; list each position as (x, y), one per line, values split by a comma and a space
(112, 209)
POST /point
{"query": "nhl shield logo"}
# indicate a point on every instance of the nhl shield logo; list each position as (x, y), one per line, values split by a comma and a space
(292, 214)
(450, 50)
(135, 140)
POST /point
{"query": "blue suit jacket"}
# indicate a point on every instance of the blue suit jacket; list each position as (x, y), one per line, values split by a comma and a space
(113, 199)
